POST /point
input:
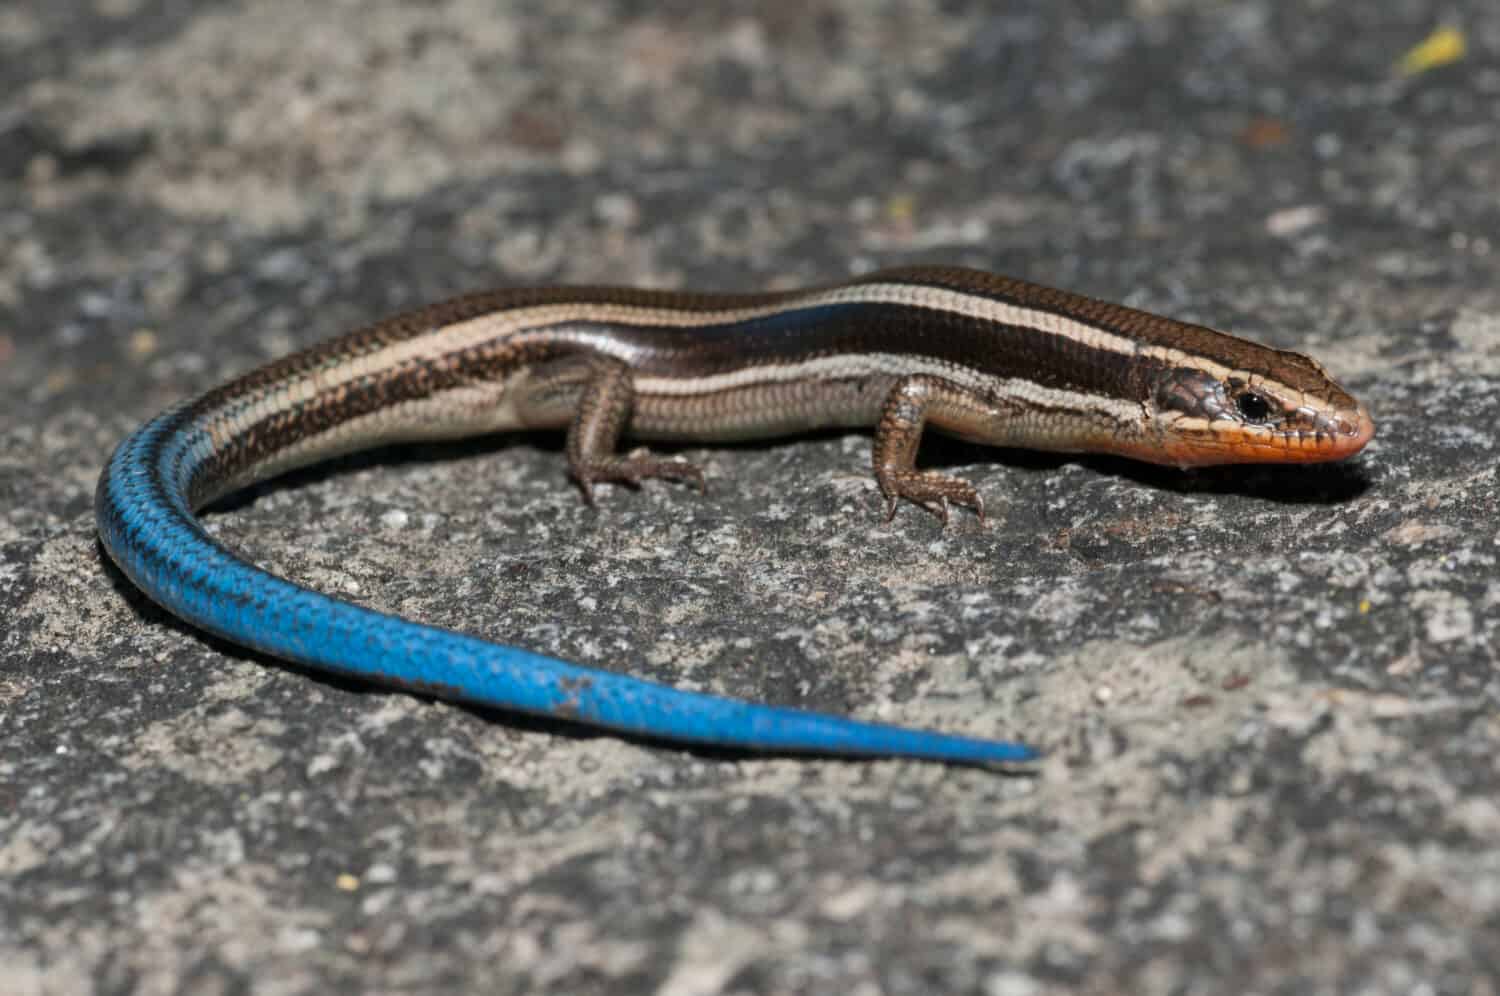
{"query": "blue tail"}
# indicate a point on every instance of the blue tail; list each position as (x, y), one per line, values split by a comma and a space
(149, 530)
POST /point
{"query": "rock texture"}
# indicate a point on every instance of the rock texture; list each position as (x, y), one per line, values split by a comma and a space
(1268, 696)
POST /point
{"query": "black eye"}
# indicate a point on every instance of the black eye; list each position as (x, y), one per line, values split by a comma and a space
(1252, 407)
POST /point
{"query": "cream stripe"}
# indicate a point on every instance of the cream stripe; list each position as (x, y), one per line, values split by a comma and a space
(891, 364)
(457, 413)
(498, 325)
(472, 409)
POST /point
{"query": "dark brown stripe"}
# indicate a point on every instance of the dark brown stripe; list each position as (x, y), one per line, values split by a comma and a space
(795, 336)
(834, 330)
(1280, 366)
(410, 381)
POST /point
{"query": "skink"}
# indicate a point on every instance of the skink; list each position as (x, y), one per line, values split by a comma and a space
(974, 355)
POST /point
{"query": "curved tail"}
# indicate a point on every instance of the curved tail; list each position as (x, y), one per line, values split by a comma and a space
(145, 520)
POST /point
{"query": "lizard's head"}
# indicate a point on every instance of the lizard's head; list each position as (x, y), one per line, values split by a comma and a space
(1255, 405)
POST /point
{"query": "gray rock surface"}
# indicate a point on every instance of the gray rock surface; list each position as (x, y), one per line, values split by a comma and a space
(1268, 696)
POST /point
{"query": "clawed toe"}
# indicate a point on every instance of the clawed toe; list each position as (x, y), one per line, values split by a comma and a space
(933, 491)
(634, 469)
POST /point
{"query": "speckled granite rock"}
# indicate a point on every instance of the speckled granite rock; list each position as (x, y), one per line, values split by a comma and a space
(1268, 696)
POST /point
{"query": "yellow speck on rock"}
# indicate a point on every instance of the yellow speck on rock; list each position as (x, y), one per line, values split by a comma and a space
(900, 208)
(347, 882)
(142, 342)
(1443, 46)
(1364, 606)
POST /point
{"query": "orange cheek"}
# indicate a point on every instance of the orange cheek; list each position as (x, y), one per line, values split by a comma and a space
(1236, 445)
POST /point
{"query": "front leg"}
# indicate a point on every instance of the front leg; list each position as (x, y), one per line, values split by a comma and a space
(604, 409)
(914, 402)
